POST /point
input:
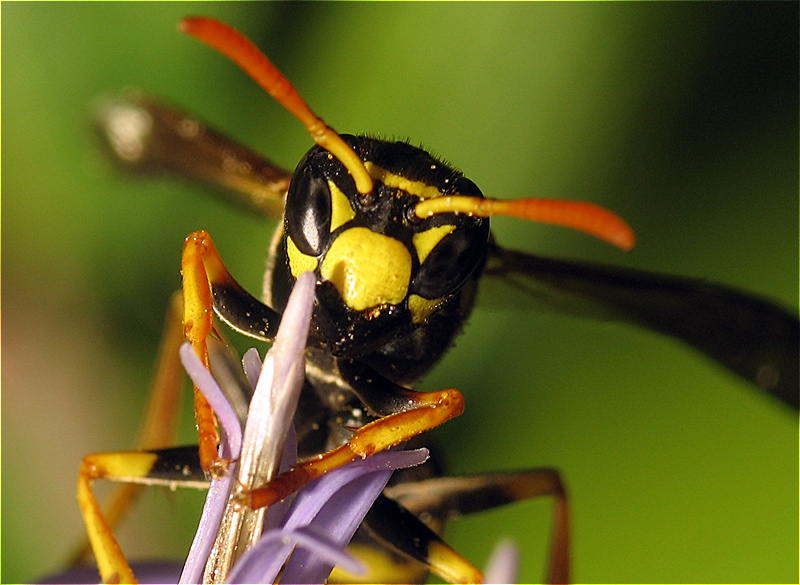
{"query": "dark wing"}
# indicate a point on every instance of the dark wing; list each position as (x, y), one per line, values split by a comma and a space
(146, 136)
(749, 335)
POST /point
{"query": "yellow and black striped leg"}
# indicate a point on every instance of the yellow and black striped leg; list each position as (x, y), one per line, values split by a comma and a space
(444, 497)
(160, 420)
(400, 530)
(177, 466)
(412, 548)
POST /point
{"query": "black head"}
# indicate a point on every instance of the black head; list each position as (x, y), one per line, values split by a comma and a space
(380, 268)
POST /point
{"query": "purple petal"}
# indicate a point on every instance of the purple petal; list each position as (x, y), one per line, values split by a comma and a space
(205, 382)
(251, 363)
(217, 496)
(301, 539)
(277, 512)
(334, 505)
(278, 390)
(310, 500)
(216, 500)
(503, 565)
(269, 419)
(339, 519)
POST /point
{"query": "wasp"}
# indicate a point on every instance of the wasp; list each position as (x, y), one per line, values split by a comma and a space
(340, 209)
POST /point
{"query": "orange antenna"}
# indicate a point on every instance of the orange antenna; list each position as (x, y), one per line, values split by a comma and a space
(246, 55)
(585, 217)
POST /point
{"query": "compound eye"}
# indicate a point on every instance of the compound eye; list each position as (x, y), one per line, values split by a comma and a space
(450, 262)
(308, 212)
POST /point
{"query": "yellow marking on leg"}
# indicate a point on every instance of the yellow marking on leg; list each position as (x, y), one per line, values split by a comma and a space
(111, 562)
(381, 567)
(126, 464)
(450, 565)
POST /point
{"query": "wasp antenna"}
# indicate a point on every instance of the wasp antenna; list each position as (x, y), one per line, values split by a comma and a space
(246, 55)
(585, 217)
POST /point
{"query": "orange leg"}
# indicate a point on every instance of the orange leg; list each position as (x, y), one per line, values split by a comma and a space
(197, 325)
(201, 266)
(208, 287)
(432, 409)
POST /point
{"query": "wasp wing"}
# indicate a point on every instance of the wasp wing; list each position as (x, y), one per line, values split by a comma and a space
(147, 136)
(750, 336)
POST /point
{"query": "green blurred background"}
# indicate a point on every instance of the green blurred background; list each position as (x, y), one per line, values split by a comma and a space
(682, 118)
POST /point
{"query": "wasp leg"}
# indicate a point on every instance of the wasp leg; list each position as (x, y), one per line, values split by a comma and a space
(444, 497)
(422, 550)
(208, 285)
(406, 519)
(160, 421)
(177, 466)
(429, 409)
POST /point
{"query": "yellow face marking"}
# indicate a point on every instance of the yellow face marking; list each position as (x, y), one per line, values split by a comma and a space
(341, 210)
(299, 262)
(422, 308)
(368, 269)
(426, 241)
(416, 188)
